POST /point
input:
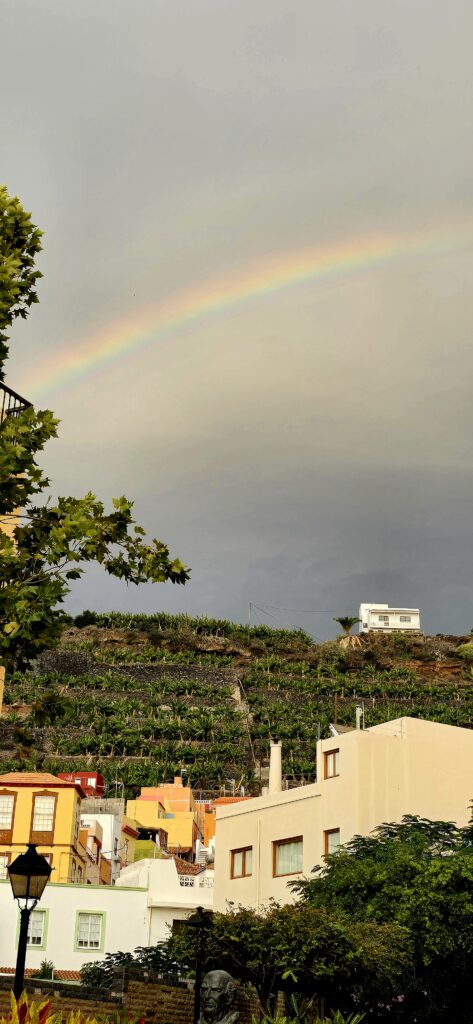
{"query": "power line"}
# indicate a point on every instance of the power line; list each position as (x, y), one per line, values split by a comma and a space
(303, 611)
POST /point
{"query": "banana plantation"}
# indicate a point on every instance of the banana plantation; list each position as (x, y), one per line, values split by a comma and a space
(141, 699)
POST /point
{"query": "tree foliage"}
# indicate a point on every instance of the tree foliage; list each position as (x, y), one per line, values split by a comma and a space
(20, 243)
(419, 875)
(52, 541)
(347, 622)
(305, 950)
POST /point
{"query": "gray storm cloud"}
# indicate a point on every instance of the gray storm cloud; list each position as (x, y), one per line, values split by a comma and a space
(310, 448)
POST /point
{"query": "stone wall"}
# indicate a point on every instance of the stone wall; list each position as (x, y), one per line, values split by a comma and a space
(174, 1004)
(156, 1001)
(64, 998)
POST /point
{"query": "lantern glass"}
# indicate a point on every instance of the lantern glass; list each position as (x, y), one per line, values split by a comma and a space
(29, 875)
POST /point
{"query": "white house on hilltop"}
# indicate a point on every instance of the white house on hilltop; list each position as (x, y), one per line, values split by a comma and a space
(380, 618)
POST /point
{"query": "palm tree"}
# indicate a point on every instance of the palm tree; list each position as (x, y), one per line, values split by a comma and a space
(48, 707)
(347, 622)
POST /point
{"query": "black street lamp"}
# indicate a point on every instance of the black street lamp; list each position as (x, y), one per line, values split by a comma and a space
(29, 875)
(200, 920)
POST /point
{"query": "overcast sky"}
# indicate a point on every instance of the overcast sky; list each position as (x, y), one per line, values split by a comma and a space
(311, 448)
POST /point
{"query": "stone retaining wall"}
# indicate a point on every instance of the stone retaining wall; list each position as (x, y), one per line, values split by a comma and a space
(158, 1002)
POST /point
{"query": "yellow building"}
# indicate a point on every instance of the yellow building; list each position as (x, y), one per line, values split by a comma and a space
(364, 777)
(170, 807)
(36, 807)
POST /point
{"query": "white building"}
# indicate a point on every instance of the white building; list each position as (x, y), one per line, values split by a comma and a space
(380, 618)
(108, 814)
(364, 777)
(74, 924)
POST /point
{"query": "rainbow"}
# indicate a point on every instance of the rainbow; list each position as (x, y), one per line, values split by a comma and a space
(155, 323)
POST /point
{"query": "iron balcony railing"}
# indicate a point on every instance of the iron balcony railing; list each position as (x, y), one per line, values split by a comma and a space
(11, 404)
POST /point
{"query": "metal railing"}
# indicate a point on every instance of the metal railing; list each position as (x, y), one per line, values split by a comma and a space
(11, 404)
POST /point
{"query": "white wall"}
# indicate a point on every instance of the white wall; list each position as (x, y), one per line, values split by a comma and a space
(168, 899)
(126, 923)
(111, 829)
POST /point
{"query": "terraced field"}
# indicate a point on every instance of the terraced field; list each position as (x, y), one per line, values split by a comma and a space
(142, 698)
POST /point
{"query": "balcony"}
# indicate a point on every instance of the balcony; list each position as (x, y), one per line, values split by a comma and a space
(196, 882)
(11, 404)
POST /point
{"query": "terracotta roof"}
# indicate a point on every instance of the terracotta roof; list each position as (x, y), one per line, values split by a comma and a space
(58, 975)
(36, 779)
(184, 868)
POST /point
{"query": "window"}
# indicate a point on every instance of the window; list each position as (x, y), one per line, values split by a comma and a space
(331, 840)
(331, 764)
(43, 813)
(36, 928)
(241, 862)
(4, 861)
(287, 856)
(7, 803)
(383, 618)
(73, 873)
(79, 874)
(89, 931)
(405, 618)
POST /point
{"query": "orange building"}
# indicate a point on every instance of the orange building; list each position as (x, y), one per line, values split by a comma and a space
(210, 814)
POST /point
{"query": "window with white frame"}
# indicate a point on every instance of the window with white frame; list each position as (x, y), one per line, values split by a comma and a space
(36, 928)
(287, 856)
(405, 618)
(331, 840)
(383, 618)
(7, 804)
(89, 931)
(4, 862)
(331, 763)
(43, 813)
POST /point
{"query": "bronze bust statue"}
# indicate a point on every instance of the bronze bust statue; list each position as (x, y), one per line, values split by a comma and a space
(217, 996)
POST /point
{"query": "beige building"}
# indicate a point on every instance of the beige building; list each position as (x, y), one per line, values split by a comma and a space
(365, 777)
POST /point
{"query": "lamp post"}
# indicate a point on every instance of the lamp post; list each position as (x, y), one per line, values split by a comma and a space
(200, 920)
(28, 874)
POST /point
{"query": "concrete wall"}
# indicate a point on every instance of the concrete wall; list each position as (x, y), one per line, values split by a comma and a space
(168, 899)
(404, 767)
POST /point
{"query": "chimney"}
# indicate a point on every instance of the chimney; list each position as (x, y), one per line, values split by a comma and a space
(359, 716)
(275, 768)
